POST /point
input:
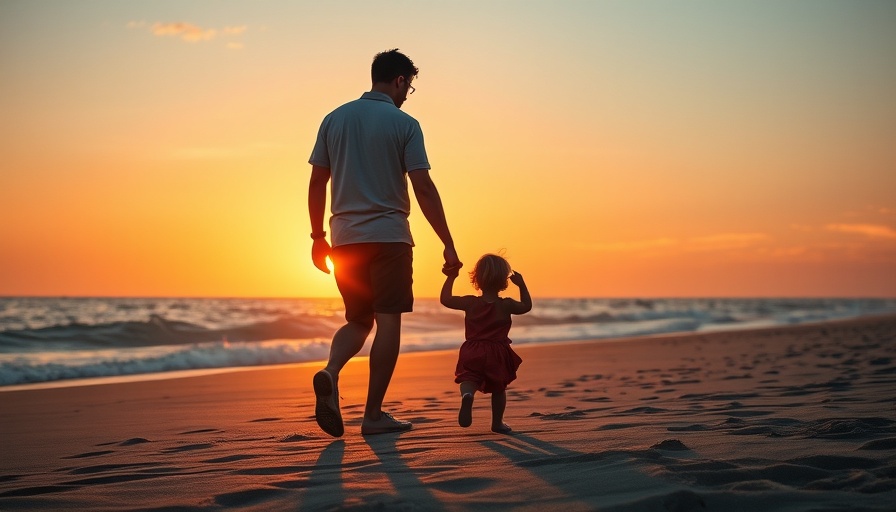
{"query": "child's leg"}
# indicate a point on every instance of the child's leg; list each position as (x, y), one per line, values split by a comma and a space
(465, 415)
(499, 402)
(468, 387)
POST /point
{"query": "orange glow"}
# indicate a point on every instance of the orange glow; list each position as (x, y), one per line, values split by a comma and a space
(155, 156)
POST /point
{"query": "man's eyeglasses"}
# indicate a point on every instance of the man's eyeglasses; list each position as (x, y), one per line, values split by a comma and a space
(411, 88)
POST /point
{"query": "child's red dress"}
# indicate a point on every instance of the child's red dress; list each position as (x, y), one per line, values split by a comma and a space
(486, 357)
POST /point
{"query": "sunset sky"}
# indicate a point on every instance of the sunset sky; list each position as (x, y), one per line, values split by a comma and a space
(608, 149)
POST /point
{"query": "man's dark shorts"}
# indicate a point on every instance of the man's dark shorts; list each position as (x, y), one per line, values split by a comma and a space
(374, 278)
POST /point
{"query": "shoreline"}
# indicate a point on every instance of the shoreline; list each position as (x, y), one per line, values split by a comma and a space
(199, 372)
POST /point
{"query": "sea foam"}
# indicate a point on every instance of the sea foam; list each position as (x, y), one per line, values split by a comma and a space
(48, 339)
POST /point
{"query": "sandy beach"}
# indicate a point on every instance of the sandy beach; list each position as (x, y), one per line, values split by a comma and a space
(788, 418)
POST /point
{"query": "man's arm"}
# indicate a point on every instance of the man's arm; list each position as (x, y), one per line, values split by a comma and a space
(431, 205)
(317, 205)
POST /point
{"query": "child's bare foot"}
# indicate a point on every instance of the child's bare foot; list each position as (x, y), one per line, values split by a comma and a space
(465, 416)
(503, 428)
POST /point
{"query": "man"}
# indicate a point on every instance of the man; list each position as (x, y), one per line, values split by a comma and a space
(369, 148)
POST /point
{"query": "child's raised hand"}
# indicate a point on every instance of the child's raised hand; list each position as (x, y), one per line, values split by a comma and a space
(516, 278)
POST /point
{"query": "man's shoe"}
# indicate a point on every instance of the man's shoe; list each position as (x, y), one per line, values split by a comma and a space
(326, 408)
(385, 425)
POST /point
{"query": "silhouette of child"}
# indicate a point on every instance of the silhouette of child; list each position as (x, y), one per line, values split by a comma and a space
(486, 362)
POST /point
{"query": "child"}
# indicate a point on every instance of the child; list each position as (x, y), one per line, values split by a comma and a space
(486, 362)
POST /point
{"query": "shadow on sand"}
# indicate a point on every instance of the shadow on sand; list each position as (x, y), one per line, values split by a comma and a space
(410, 489)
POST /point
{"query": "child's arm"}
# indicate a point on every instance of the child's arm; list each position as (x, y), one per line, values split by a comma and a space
(525, 303)
(447, 297)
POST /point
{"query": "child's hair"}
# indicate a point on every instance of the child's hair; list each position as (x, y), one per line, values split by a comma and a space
(490, 273)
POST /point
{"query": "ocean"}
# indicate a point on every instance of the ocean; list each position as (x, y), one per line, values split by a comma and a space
(62, 341)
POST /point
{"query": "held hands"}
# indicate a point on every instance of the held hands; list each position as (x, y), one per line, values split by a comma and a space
(451, 271)
(452, 264)
(319, 253)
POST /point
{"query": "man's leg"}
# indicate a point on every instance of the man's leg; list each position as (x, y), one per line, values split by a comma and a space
(351, 272)
(391, 284)
(383, 356)
(347, 342)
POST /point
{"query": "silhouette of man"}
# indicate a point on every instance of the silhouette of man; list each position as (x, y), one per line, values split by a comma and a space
(366, 150)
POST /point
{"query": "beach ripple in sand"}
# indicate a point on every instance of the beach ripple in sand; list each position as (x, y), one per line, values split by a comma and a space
(671, 445)
(828, 428)
(880, 444)
(133, 441)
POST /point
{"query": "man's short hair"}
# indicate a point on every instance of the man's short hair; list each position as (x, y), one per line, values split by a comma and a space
(391, 64)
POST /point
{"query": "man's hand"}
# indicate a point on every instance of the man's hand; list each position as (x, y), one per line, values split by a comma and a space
(452, 262)
(319, 253)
